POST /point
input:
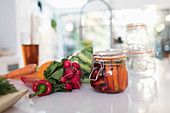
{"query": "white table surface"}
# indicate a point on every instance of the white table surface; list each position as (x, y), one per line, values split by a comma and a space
(151, 95)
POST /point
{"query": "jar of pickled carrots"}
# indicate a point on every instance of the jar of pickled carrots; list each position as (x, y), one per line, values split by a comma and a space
(109, 73)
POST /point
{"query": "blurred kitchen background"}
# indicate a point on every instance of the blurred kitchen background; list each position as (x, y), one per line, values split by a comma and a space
(63, 27)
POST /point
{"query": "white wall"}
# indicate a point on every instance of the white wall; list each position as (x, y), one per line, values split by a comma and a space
(8, 25)
(22, 12)
(42, 28)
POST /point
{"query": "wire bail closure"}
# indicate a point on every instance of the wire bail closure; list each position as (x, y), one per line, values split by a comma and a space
(95, 68)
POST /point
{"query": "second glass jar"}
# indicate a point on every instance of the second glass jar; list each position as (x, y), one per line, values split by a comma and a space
(142, 62)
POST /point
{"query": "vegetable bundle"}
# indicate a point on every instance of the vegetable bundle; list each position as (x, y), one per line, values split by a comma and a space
(64, 75)
(59, 77)
(84, 58)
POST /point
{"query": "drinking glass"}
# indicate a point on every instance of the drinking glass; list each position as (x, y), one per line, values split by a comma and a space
(30, 49)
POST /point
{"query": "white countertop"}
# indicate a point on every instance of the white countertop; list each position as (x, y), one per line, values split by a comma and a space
(151, 95)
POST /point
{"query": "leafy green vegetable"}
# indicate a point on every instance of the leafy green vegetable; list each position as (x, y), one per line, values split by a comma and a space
(52, 68)
(53, 73)
(59, 87)
(6, 87)
(85, 67)
(57, 74)
(84, 58)
(89, 49)
(88, 52)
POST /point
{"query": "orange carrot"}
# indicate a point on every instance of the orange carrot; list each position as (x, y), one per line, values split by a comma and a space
(42, 68)
(94, 74)
(115, 77)
(97, 82)
(31, 75)
(22, 71)
(104, 88)
(125, 79)
(122, 76)
(105, 79)
(109, 78)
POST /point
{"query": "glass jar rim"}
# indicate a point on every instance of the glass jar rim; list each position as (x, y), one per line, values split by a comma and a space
(110, 54)
(136, 25)
(141, 51)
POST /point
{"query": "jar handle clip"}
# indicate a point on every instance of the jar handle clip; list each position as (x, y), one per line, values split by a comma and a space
(94, 68)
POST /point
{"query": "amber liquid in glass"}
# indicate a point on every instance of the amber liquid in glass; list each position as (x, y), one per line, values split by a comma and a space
(30, 54)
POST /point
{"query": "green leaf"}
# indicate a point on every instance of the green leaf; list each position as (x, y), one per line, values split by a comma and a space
(57, 74)
(58, 64)
(60, 87)
(52, 81)
(45, 74)
(6, 87)
(51, 68)
(89, 49)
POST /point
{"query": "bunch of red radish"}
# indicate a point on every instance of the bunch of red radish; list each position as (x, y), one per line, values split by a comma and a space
(71, 76)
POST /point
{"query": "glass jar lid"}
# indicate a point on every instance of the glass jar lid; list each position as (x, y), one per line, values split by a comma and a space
(140, 50)
(136, 25)
(110, 54)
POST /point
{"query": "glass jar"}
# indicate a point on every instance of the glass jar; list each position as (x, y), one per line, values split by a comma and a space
(136, 35)
(142, 62)
(109, 73)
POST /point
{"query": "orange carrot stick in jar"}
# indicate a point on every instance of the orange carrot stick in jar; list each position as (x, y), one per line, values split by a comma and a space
(104, 88)
(120, 76)
(123, 76)
(115, 77)
(97, 82)
(109, 78)
(22, 71)
(94, 74)
(105, 77)
(125, 84)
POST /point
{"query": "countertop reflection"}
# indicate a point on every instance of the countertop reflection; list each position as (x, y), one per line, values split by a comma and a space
(143, 95)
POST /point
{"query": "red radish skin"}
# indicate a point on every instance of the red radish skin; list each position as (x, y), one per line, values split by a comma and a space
(74, 69)
(67, 63)
(78, 73)
(69, 76)
(69, 72)
(77, 85)
(68, 86)
(63, 79)
(74, 80)
(76, 65)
